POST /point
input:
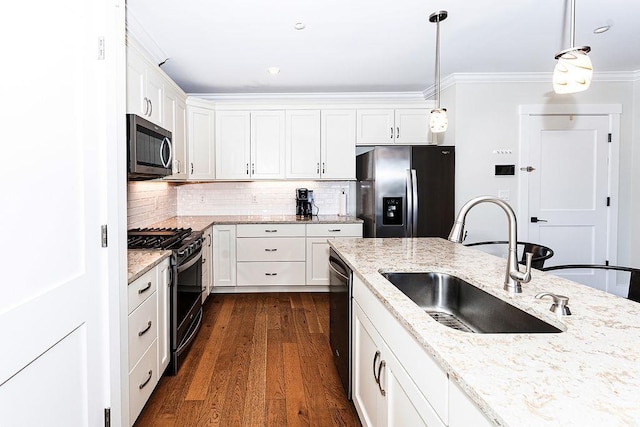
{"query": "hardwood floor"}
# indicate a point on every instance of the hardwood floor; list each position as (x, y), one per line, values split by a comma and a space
(259, 360)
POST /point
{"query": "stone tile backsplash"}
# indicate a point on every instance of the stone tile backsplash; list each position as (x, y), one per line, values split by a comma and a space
(149, 202)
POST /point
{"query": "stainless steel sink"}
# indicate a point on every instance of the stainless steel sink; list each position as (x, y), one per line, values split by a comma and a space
(458, 304)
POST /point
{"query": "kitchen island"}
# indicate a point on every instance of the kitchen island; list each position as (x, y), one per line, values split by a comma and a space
(586, 375)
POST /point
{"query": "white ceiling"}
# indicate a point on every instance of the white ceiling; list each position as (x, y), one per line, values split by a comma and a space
(226, 46)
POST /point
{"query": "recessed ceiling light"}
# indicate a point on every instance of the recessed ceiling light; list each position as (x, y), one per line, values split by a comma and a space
(602, 29)
(299, 26)
(273, 70)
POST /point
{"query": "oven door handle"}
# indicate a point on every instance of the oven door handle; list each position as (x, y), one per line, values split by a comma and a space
(193, 330)
(193, 260)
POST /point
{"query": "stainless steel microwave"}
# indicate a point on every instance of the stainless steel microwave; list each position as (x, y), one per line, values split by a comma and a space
(149, 149)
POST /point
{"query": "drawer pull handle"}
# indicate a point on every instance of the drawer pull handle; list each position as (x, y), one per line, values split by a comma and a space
(375, 357)
(270, 274)
(335, 230)
(141, 333)
(145, 289)
(270, 231)
(380, 366)
(150, 375)
(270, 250)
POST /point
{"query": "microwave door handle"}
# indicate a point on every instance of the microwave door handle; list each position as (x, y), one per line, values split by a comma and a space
(168, 161)
(409, 214)
(414, 200)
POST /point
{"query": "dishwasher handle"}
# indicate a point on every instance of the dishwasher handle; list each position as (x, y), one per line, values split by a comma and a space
(334, 261)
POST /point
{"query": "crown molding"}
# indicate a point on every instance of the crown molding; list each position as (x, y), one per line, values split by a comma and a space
(604, 76)
(143, 40)
(302, 97)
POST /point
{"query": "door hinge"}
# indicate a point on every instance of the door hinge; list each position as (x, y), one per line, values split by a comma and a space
(107, 417)
(528, 169)
(100, 48)
(608, 201)
(103, 232)
(609, 138)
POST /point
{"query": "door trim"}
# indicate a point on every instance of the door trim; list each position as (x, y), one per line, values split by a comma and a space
(613, 111)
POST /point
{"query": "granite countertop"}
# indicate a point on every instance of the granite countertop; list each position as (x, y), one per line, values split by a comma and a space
(588, 375)
(202, 222)
(141, 260)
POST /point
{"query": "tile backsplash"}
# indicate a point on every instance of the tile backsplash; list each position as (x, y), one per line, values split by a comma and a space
(149, 202)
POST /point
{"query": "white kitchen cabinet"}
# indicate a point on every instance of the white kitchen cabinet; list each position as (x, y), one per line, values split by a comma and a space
(393, 126)
(416, 388)
(201, 137)
(224, 255)
(144, 87)
(384, 394)
(463, 411)
(175, 120)
(320, 144)
(207, 262)
(250, 144)
(318, 249)
(270, 254)
(148, 334)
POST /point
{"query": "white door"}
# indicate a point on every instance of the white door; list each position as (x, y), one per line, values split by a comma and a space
(569, 190)
(53, 292)
(267, 144)
(303, 143)
(233, 142)
(338, 144)
(375, 127)
(412, 126)
(201, 143)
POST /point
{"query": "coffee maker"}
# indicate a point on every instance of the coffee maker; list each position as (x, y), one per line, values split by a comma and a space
(304, 203)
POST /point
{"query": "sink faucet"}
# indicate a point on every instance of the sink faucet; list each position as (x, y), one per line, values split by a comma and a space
(513, 276)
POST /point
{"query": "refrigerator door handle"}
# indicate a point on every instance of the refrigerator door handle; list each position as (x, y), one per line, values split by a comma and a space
(414, 203)
(409, 215)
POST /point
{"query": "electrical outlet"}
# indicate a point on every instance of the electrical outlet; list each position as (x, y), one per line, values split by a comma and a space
(202, 198)
(504, 195)
(254, 198)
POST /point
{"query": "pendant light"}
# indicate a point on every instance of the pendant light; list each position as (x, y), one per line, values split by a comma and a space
(573, 72)
(438, 122)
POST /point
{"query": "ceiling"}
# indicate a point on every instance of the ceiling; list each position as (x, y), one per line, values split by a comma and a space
(217, 46)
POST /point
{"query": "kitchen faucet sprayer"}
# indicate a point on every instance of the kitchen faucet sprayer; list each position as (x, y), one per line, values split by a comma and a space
(513, 276)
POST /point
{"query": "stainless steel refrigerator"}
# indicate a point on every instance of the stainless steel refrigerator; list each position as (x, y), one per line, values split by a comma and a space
(406, 191)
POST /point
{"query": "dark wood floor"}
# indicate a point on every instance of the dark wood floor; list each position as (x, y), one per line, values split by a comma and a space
(259, 360)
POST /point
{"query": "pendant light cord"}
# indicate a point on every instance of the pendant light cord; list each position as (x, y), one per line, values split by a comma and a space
(438, 63)
(573, 24)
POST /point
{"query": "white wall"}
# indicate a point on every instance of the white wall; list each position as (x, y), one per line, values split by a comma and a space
(634, 234)
(484, 117)
(149, 202)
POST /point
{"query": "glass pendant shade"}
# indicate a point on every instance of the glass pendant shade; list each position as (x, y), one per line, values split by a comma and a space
(573, 72)
(439, 121)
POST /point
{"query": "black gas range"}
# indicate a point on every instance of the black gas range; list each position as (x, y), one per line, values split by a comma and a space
(186, 284)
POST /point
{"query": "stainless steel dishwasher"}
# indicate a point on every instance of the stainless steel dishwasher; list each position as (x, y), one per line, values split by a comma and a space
(340, 293)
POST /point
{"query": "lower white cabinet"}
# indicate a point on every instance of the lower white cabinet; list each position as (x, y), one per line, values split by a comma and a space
(318, 249)
(148, 334)
(207, 262)
(224, 255)
(384, 394)
(396, 383)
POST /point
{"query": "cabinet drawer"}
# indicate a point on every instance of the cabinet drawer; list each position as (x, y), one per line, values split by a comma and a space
(321, 230)
(142, 380)
(270, 230)
(143, 328)
(142, 288)
(270, 249)
(271, 273)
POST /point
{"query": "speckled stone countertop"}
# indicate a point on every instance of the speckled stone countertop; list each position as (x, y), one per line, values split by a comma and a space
(588, 375)
(140, 261)
(202, 222)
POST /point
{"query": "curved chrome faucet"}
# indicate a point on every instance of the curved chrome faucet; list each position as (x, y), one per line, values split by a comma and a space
(513, 276)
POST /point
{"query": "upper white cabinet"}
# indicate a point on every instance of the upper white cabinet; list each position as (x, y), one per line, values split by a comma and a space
(250, 144)
(174, 119)
(321, 144)
(393, 126)
(144, 87)
(201, 125)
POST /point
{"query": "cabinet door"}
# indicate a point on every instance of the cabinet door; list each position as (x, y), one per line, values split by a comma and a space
(412, 126)
(207, 264)
(303, 143)
(164, 292)
(201, 143)
(154, 91)
(233, 138)
(267, 144)
(224, 255)
(367, 397)
(317, 261)
(338, 144)
(136, 84)
(375, 127)
(180, 141)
